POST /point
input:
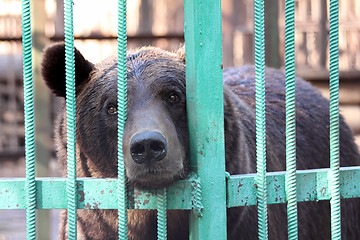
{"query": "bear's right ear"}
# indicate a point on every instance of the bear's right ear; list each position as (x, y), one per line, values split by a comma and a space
(53, 68)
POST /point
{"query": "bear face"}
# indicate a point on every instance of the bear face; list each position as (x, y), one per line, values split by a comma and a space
(155, 141)
(155, 137)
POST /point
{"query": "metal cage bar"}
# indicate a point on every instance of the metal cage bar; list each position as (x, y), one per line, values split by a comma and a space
(260, 118)
(29, 122)
(204, 91)
(122, 110)
(334, 121)
(290, 177)
(312, 185)
(161, 214)
(70, 120)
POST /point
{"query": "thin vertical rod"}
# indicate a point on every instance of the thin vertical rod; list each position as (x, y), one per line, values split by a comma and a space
(122, 110)
(70, 119)
(260, 118)
(334, 120)
(161, 214)
(29, 121)
(290, 177)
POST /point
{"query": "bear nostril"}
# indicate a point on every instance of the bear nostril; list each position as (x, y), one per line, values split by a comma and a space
(149, 146)
(138, 152)
(138, 149)
(157, 146)
(157, 150)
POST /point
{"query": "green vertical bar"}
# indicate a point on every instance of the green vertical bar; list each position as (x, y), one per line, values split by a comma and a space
(161, 214)
(260, 118)
(334, 121)
(29, 121)
(205, 114)
(122, 110)
(290, 178)
(70, 119)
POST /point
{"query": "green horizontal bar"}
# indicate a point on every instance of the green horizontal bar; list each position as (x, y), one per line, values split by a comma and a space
(312, 185)
(95, 193)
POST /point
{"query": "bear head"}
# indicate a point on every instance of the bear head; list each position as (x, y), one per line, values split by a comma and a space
(155, 137)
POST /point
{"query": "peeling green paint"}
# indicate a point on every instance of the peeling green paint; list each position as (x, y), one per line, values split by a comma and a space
(100, 193)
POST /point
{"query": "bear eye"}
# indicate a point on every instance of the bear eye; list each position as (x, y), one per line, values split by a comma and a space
(173, 98)
(112, 110)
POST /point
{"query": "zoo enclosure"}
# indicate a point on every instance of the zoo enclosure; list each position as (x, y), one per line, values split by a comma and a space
(187, 194)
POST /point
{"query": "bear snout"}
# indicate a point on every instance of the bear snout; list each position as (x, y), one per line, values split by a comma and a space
(154, 156)
(148, 147)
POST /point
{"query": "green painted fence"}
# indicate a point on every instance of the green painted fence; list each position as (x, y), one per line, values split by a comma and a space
(209, 190)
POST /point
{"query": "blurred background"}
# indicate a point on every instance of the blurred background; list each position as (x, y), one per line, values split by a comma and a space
(157, 23)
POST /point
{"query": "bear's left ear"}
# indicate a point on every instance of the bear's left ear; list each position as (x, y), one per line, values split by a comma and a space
(53, 68)
(181, 53)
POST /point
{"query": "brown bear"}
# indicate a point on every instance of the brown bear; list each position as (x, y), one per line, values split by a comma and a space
(156, 145)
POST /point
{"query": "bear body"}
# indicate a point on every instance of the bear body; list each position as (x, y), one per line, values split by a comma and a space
(156, 145)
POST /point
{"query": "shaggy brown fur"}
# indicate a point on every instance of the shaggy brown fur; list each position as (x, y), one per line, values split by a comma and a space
(156, 102)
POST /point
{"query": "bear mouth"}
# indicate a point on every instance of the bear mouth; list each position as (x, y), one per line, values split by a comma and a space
(155, 179)
(153, 172)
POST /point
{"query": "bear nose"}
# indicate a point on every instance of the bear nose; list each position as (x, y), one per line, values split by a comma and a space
(148, 147)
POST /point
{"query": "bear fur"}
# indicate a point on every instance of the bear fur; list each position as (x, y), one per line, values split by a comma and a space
(157, 102)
